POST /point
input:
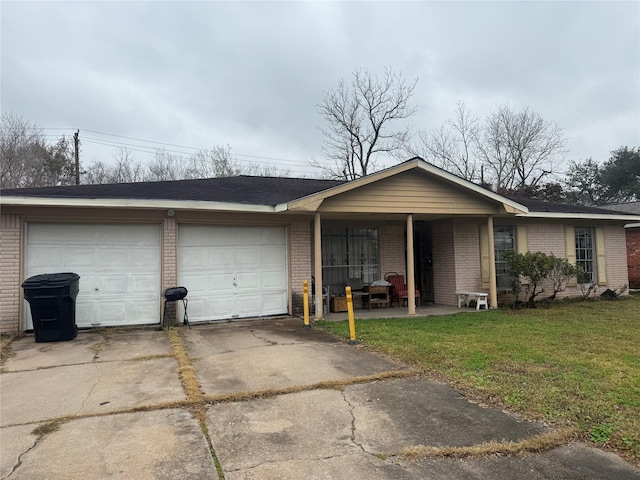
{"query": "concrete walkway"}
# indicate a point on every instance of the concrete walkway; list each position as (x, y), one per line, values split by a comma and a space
(249, 400)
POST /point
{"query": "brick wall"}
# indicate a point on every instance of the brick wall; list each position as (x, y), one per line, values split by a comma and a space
(392, 249)
(546, 238)
(10, 291)
(616, 257)
(444, 266)
(468, 273)
(301, 245)
(169, 254)
(633, 256)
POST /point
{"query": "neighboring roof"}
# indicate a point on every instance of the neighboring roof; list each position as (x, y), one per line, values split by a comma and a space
(240, 190)
(629, 207)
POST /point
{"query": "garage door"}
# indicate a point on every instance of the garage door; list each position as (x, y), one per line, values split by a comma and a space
(119, 268)
(233, 272)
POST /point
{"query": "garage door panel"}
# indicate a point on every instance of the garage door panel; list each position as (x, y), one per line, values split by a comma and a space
(110, 284)
(142, 308)
(248, 305)
(141, 284)
(140, 257)
(195, 283)
(79, 257)
(273, 255)
(221, 283)
(247, 236)
(119, 268)
(272, 236)
(273, 279)
(273, 302)
(247, 257)
(193, 257)
(220, 306)
(222, 258)
(249, 281)
(113, 258)
(45, 259)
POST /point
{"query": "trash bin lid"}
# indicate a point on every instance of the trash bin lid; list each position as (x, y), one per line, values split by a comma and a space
(51, 280)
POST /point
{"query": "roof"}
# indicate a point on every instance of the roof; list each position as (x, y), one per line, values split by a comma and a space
(275, 194)
(554, 207)
(629, 207)
(240, 190)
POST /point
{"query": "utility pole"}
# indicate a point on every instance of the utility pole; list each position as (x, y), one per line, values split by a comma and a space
(76, 143)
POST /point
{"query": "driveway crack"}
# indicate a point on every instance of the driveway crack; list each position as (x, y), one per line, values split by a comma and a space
(19, 462)
(98, 379)
(353, 423)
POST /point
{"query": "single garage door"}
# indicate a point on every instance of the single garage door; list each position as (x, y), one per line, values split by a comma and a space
(233, 272)
(119, 268)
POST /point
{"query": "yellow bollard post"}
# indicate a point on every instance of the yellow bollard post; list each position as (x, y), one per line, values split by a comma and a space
(352, 322)
(305, 296)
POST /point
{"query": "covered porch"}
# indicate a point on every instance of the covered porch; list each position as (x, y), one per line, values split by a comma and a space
(430, 310)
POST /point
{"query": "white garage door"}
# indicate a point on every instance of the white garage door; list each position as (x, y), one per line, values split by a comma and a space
(119, 268)
(233, 272)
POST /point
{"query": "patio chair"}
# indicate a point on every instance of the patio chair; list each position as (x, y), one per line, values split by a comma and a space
(357, 289)
(399, 289)
(326, 297)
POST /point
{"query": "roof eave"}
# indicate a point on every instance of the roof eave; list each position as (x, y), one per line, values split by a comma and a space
(148, 204)
(580, 216)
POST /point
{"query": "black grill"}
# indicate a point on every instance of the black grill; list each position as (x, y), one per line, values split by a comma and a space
(175, 294)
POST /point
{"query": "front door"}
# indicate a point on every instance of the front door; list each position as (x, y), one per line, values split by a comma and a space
(423, 260)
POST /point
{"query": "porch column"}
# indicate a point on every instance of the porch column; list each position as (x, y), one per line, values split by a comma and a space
(493, 288)
(411, 281)
(317, 251)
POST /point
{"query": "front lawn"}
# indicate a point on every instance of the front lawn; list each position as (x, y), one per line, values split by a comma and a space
(571, 363)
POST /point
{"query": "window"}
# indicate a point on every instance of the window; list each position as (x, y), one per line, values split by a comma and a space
(504, 241)
(584, 253)
(349, 253)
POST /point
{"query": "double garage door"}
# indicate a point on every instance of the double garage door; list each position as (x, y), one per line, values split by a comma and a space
(230, 272)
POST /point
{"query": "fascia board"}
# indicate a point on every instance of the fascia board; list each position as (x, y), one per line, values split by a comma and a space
(579, 216)
(133, 203)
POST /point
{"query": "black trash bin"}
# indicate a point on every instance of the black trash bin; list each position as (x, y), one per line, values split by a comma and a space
(52, 298)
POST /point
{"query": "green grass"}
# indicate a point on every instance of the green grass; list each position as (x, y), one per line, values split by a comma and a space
(569, 363)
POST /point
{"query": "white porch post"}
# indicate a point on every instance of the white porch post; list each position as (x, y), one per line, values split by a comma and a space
(493, 288)
(411, 281)
(317, 250)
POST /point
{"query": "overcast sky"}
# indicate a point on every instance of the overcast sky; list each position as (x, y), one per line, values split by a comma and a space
(251, 74)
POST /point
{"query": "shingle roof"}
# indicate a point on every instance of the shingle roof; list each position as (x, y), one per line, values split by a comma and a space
(629, 207)
(242, 189)
(553, 207)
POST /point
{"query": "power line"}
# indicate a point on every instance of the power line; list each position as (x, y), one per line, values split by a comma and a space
(171, 144)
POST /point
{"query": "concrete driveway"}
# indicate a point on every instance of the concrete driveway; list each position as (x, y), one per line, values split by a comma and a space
(250, 400)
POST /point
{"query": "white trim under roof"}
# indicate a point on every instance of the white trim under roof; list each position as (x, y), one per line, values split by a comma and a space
(134, 203)
(577, 215)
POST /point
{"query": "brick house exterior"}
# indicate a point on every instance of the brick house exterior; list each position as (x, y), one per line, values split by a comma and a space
(452, 215)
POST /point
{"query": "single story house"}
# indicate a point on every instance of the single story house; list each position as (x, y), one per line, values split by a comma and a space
(242, 246)
(633, 242)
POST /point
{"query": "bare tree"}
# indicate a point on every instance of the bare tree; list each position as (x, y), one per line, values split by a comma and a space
(27, 160)
(454, 146)
(216, 162)
(166, 166)
(520, 148)
(360, 122)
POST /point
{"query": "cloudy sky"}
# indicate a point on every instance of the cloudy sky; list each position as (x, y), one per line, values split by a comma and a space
(250, 74)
